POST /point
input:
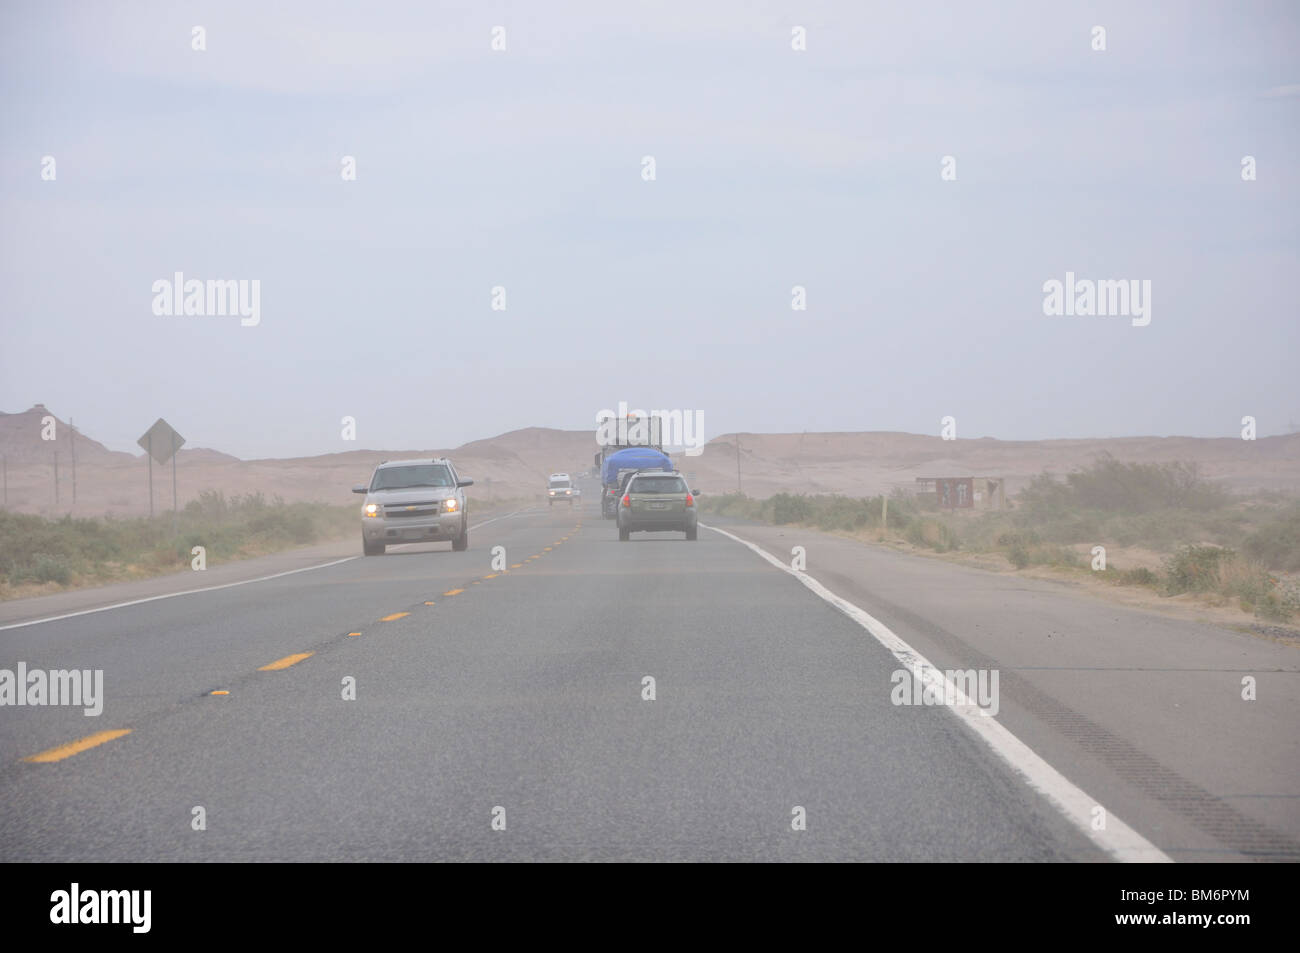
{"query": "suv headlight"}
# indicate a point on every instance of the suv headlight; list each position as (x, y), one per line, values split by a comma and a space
(450, 506)
(372, 509)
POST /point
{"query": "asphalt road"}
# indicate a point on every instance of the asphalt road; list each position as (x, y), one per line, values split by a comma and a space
(513, 695)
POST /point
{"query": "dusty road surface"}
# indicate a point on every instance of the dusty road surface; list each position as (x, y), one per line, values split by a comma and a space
(517, 699)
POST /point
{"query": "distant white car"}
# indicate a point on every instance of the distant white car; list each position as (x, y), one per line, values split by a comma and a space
(560, 487)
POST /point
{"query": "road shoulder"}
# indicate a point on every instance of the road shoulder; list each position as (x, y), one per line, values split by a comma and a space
(1144, 711)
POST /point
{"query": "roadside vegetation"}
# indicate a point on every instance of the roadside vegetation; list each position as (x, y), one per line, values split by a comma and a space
(1243, 551)
(39, 554)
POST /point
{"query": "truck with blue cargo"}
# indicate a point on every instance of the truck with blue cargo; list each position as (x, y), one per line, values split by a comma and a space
(615, 434)
(616, 468)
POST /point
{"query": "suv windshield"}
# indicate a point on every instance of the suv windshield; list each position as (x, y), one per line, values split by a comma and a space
(658, 484)
(397, 478)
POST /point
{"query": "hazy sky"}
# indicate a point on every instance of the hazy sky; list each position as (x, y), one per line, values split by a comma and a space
(523, 169)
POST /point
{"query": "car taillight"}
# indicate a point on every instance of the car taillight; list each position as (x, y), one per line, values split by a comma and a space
(690, 500)
(627, 500)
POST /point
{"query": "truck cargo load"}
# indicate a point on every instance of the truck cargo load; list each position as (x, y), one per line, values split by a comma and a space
(633, 458)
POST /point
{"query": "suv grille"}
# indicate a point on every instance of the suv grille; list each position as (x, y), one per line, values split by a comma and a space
(401, 510)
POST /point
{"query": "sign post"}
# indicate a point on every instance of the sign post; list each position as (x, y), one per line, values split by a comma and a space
(160, 442)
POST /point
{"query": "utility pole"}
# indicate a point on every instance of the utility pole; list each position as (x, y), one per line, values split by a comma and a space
(56, 478)
(739, 489)
(4, 464)
(148, 459)
(72, 430)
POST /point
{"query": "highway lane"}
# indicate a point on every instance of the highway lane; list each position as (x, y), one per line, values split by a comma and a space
(158, 654)
(522, 692)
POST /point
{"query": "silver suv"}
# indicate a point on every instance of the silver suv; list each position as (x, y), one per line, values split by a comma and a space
(413, 501)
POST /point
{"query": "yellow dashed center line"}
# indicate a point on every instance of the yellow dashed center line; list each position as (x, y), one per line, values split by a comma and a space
(353, 635)
(491, 575)
(286, 662)
(219, 691)
(546, 549)
(453, 592)
(516, 565)
(395, 615)
(76, 747)
(430, 603)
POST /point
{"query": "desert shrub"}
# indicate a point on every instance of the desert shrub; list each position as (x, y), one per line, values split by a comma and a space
(1277, 543)
(847, 512)
(1045, 496)
(37, 549)
(1110, 484)
(788, 508)
(1022, 538)
(1022, 554)
(1255, 588)
(44, 567)
(732, 504)
(1142, 576)
(1194, 569)
(825, 511)
(931, 533)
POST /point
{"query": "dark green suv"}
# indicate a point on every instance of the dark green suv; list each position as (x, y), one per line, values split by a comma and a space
(657, 501)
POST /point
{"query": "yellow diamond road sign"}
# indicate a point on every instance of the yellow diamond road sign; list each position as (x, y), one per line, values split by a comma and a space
(160, 441)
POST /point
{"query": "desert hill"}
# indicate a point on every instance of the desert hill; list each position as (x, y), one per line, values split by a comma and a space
(515, 464)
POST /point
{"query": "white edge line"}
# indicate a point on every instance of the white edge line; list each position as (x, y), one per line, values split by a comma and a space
(1118, 839)
(171, 595)
(190, 592)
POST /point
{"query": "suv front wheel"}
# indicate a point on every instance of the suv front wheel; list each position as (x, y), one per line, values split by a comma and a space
(372, 549)
(461, 542)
